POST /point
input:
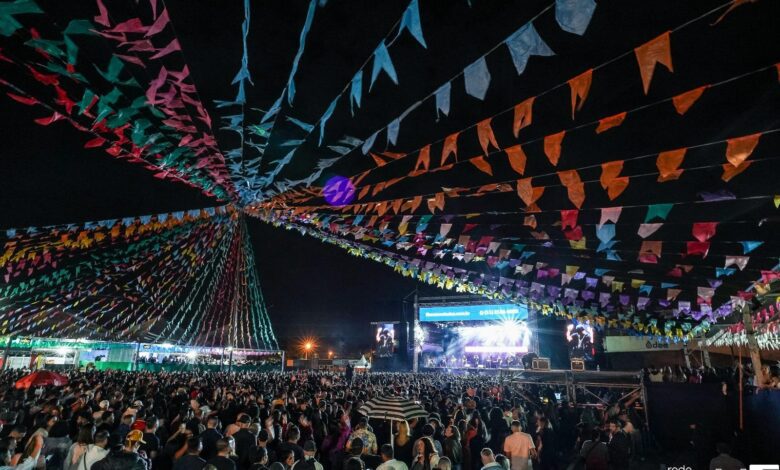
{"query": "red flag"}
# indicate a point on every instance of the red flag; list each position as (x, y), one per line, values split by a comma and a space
(657, 51)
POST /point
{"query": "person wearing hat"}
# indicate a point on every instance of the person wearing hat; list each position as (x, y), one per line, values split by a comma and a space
(126, 458)
(309, 462)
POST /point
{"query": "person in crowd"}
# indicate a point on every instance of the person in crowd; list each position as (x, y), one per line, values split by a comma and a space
(286, 459)
(29, 458)
(259, 459)
(96, 451)
(488, 460)
(594, 453)
(209, 437)
(426, 457)
(223, 460)
(244, 440)
(546, 444)
(309, 461)
(364, 434)
(453, 449)
(619, 445)
(428, 431)
(403, 444)
(77, 450)
(293, 435)
(519, 447)
(126, 457)
(724, 460)
(389, 462)
(192, 459)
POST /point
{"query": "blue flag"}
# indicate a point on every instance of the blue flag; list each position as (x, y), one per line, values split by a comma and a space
(477, 77)
(443, 99)
(574, 16)
(382, 62)
(411, 21)
(524, 43)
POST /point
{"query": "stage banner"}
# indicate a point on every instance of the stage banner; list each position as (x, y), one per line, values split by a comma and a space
(474, 313)
(615, 344)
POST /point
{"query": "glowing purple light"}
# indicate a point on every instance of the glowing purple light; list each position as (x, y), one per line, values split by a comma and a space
(339, 191)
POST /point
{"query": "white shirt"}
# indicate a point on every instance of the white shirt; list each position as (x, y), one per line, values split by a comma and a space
(92, 455)
(392, 464)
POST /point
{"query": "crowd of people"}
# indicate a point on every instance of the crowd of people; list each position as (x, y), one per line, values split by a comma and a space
(111, 420)
(770, 375)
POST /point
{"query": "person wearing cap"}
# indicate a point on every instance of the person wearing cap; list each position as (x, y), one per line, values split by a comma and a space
(309, 462)
(244, 440)
(126, 458)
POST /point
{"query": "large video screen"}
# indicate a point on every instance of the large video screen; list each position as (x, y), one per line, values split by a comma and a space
(473, 313)
(581, 339)
(483, 336)
(385, 339)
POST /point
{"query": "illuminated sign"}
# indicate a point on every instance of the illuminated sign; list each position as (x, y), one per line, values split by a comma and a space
(474, 312)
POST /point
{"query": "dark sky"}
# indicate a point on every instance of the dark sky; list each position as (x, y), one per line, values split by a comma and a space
(47, 177)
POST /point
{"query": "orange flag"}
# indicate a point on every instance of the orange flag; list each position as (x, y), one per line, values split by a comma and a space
(668, 164)
(393, 181)
(574, 186)
(530, 220)
(412, 204)
(377, 159)
(423, 161)
(364, 192)
(684, 101)
(610, 122)
(580, 86)
(739, 149)
(659, 50)
(482, 164)
(730, 171)
(552, 147)
(450, 147)
(378, 187)
(517, 158)
(436, 202)
(528, 194)
(397, 205)
(486, 136)
(523, 115)
(611, 179)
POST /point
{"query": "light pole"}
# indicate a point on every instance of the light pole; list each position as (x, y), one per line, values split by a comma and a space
(306, 348)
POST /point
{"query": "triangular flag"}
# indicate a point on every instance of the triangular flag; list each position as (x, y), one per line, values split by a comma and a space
(486, 136)
(748, 246)
(668, 164)
(653, 52)
(450, 148)
(610, 122)
(477, 78)
(658, 210)
(739, 149)
(517, 158)
(411, 22)
(684, 101)
(610, 179)
(523, 115)
(574, 186)
(645, 230)
(382, 61)
(730, 171)
(482, 164)
(369, 143)
(703, 231)
(524, 43)
(552, 147)
(610, 214)
(574, 16)
(356, 91)
(580, 86)
(443, 99)
(423, 160)
(529, 194)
